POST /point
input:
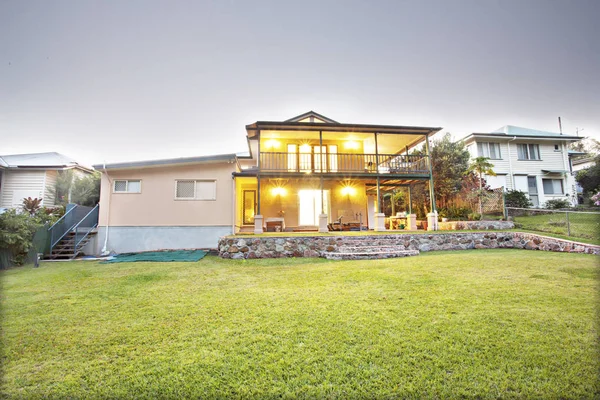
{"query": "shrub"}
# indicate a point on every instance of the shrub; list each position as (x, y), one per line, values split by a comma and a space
(556, 204)
(517, 199)
(16, 234)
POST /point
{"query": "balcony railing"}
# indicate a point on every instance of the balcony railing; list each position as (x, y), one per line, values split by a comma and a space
(344, 163)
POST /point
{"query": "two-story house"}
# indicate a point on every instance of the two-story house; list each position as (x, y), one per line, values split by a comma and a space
(310, 171)
(532, 161)
(305, 173)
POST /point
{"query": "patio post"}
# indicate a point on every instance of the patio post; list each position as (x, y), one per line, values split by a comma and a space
(379, 216)
(432, 220)
(323, 216)
(258, 218)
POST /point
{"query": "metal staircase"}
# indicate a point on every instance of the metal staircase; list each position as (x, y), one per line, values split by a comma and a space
(70, 234)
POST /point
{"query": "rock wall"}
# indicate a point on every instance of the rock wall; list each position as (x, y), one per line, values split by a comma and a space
(316, 246)
(475, 225)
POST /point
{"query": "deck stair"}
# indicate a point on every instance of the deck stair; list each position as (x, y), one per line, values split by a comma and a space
(369, 252)
(66, 249)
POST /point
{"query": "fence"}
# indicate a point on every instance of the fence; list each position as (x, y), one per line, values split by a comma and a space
(40, 244)
(492, 202)
(576, 224)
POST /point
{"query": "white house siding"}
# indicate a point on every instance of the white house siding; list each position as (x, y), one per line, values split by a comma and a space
(17, 185)
(49, 197)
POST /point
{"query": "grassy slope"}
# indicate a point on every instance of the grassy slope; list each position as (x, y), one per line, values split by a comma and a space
(582, 226)
(498, 323)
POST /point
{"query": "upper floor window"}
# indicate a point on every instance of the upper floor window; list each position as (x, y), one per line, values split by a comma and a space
(127, 186)
(528, 151)
(196, 190)
(489, 149)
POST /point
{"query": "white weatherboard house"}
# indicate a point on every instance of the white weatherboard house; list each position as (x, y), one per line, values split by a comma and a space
(532, 161)
(33, 175)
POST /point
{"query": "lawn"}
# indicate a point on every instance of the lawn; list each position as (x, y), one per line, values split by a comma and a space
(484, 324)
(582, 226)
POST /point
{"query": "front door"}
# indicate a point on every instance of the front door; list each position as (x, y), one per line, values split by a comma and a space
(249, 207)
(310, 206)
(533, 192)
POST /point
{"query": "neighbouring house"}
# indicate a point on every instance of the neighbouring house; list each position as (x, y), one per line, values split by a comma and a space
(33, 175)
(532, 161)
(308, 173)
(578, 164)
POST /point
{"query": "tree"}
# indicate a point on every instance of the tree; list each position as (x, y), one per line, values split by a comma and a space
(589, 178)
(588, 145)
(449, 163)
(72, 189)
(86, 190)
(480, 166)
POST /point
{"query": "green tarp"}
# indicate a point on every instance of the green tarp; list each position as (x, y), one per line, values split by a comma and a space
(159, 256)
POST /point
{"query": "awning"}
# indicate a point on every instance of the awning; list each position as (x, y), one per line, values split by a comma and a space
(554, 171)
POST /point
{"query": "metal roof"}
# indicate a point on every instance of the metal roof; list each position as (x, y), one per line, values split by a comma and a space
(50, 160)
(169, 161)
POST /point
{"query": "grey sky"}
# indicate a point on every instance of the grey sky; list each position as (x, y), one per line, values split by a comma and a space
(131, 80)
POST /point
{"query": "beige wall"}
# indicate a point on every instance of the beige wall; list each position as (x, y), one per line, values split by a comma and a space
(156, 204)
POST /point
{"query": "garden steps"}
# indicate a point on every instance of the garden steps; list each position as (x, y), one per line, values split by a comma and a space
(369, 253)
(65, 249)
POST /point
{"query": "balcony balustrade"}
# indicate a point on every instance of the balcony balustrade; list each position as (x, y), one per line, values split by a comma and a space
(340, 163)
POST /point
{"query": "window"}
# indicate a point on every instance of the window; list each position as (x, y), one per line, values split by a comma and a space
(127, 186)
(490, 150)
(196, 190)
(553, 186)
(528, 151)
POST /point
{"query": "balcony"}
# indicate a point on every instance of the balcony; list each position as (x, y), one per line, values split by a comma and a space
(339, 163)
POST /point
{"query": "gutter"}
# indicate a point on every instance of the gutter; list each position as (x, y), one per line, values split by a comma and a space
(512, 177)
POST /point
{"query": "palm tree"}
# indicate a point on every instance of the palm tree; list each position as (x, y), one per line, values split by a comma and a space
(480, 166)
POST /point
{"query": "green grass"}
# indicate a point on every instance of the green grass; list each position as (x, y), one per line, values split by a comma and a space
(583, 227)
(477, 324)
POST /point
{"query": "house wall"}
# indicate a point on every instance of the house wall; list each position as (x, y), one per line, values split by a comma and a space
(49, 189)
(17, 185)
(510, 168)
(346, 205)
(154, 219)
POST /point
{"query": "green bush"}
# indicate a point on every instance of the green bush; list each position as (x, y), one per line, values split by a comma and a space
(454, 213)
(556, 204)
(16, 234)
(517, 199)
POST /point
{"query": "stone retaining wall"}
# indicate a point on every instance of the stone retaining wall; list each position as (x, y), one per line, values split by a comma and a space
(315, 246)
(475, 225)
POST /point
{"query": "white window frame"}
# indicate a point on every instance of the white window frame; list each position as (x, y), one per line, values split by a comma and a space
(528, 152)
(195, 198)
(485, 147)
(114, 186)
(562, 186)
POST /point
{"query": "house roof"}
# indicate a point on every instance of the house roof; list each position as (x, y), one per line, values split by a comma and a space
(50, 160)
(169, 161)
(583, 160)
(312, 116)
(330, 125)
(511, 131)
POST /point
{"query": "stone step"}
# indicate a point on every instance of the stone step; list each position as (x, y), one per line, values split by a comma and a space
(369, 255)
(370, 249)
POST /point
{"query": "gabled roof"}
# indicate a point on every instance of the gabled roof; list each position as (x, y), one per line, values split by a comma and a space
(231, 158)
(313, 117)
(300, 123)
(511, 131)
(50, 160)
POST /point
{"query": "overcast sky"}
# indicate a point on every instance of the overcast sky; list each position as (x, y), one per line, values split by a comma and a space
(132, 80)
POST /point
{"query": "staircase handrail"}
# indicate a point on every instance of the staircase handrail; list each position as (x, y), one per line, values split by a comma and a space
(93, 218)
(56, 224)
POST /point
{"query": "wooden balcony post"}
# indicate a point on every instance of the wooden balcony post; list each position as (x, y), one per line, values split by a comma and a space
(431, 191)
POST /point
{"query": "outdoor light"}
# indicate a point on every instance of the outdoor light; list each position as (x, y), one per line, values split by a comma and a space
(272, 144)
(278, 191)
(351, 144)
(348, 190)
